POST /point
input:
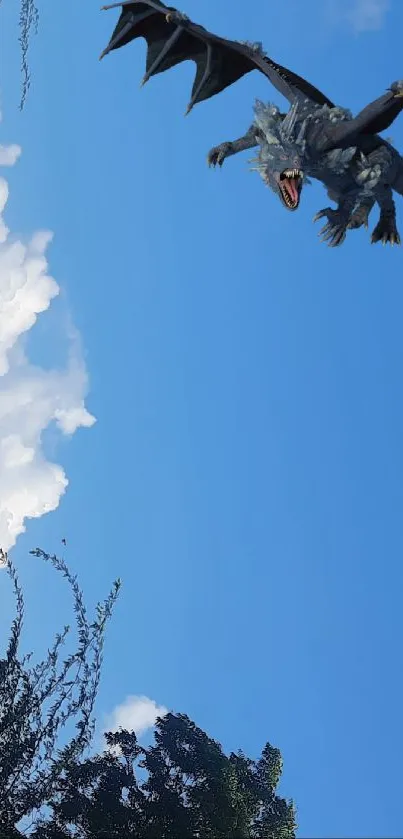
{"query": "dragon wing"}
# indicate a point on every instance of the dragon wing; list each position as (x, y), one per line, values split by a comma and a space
(375, 117)
(172, 38)
(379, 115)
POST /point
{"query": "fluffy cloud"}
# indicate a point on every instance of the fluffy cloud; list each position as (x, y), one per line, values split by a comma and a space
(136, 713)
(361, 15)
(31, 398)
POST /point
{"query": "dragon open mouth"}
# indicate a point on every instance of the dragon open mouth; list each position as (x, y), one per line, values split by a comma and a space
(290, 184)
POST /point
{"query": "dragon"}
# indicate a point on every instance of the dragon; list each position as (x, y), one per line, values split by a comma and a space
(314, 139)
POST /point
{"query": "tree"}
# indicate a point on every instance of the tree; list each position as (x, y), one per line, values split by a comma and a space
(38, 701)
(181, 787)
(28, 25)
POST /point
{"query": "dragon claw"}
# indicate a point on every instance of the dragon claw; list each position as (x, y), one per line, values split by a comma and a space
(334, 232)
(397, 88)
(217, 155)
(174, 16)
(386, 232)
(321, 214)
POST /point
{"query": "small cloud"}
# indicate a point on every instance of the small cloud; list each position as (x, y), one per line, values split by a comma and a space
(368, 15)
(136, 713)
(9, 154)
(31, 398)
(360, 15)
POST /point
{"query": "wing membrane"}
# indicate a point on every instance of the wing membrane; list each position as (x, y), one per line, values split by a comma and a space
(172, 39)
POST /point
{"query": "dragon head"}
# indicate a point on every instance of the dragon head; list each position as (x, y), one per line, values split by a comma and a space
(281, 153)
(284, 175)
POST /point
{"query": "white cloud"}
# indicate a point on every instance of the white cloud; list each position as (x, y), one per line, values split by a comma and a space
(9, 154)
(136, 713)
(368, 15)
(361, 15)
(31, 398)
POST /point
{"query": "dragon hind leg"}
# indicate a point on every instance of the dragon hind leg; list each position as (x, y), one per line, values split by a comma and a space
(386, 231)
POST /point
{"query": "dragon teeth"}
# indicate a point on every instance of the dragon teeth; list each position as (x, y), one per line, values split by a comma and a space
(293, 173)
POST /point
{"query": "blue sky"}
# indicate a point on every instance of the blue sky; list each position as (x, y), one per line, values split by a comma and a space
(244, 475)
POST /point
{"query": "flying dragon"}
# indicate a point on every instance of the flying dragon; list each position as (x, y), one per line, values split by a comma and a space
(314, 139)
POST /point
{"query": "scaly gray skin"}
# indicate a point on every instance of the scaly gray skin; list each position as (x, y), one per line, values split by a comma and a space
(356, 176)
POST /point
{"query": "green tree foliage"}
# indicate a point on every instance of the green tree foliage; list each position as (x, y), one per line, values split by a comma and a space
(38, 701)
(181, 787)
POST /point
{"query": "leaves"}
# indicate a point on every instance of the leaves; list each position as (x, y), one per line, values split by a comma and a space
(28, 23)
(183, 786)
(38, 701)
